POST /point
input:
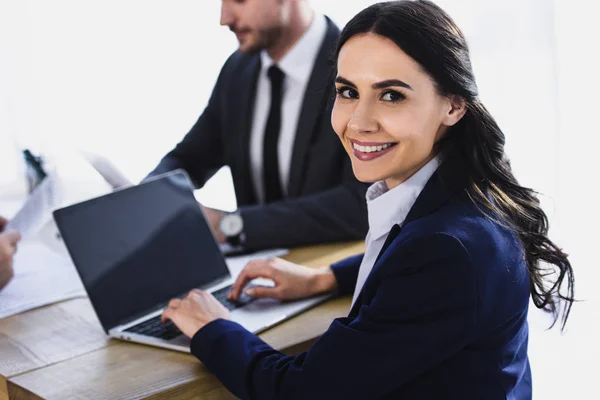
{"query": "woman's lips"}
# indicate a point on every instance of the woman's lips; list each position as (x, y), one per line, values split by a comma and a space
(367, 151)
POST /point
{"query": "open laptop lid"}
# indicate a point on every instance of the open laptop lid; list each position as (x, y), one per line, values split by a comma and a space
(138, 247)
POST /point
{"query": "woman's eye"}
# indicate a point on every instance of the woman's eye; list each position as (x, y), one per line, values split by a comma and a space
(347, 93)
(392, 96)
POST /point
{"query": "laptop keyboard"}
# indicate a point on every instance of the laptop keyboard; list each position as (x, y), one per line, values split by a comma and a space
(221, 295)
(167, 331)
(155, 328)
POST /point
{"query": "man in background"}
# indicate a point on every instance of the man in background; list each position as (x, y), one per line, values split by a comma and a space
(268, 119)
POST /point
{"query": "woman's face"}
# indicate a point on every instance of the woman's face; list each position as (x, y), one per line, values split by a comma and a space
(387, 112)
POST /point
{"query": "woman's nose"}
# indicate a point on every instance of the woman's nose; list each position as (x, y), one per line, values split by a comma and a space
(362, 120)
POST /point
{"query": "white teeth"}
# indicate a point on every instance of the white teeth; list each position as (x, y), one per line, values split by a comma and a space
(370, 149)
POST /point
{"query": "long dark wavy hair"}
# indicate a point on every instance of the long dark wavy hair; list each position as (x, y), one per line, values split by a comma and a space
(428, 35)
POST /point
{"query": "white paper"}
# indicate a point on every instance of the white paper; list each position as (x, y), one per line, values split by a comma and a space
(109, 172)
(37, 210)
(236, 264)
(42, 277)
(71, 180)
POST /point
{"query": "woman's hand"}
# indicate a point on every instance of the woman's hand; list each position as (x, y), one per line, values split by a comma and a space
(292, 281)
(195, 311)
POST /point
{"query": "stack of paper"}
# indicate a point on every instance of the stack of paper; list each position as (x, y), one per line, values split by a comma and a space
(42, 277)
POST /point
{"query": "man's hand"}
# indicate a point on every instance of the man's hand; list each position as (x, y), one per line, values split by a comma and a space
(195, 311)
(8, 247)
(214, 219)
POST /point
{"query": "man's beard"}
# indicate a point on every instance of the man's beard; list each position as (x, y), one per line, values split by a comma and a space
(264, 39)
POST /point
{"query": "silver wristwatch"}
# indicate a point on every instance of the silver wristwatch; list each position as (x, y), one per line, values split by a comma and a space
(232, 226)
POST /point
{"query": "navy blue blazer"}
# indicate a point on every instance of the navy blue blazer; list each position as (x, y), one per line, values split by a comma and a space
(442, 315)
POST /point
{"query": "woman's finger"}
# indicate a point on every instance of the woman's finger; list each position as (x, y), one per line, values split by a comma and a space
(235, 288)
(262, 271)
(264, 292)
(167, 315)
(255, 263)
(174, 303)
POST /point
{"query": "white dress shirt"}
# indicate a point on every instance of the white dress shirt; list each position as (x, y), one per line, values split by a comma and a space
(297, 65)
(387, 208)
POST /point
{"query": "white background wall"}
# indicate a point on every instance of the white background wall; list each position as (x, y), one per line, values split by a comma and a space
(128, 78)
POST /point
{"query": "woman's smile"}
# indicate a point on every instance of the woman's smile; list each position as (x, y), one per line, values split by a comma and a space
(367, 151)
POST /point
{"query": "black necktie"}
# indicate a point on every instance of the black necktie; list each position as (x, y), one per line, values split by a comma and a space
(271, 176)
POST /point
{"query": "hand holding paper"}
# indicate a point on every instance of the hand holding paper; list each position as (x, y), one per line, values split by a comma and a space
(41, 277)
(37, 209)
(8, 247)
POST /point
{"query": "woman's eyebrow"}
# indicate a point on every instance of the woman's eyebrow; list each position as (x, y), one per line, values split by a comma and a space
(344, 81)
(377, 85)
(391, 82)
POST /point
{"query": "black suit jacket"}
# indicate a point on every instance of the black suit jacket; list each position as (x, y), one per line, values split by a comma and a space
(325, 202)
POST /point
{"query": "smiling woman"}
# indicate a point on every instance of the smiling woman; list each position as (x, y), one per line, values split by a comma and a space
(388, 124)
(455, 247)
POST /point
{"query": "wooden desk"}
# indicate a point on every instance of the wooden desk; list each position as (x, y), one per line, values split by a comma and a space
(61, 352)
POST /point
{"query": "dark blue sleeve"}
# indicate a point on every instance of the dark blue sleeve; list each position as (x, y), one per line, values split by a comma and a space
(423, 312)
(346, 273)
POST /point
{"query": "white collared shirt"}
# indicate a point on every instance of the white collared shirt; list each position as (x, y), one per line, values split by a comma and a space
(387, 208)
(297, 65)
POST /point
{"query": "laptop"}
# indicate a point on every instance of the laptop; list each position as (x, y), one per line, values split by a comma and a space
(140, 246)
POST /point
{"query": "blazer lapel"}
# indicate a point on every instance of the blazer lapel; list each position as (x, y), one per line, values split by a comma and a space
(315, 103)
(243, 102)
(449, 178)
(394, 232)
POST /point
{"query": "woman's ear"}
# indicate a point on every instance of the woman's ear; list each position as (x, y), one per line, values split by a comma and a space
(457, 109)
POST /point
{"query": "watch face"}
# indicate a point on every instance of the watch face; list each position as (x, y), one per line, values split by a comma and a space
(232, 225)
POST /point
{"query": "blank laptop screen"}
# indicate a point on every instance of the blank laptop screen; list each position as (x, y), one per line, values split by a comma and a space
(138, 247)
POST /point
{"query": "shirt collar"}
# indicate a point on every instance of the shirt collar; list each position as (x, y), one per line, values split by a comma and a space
(298, 62)
(389, 207)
